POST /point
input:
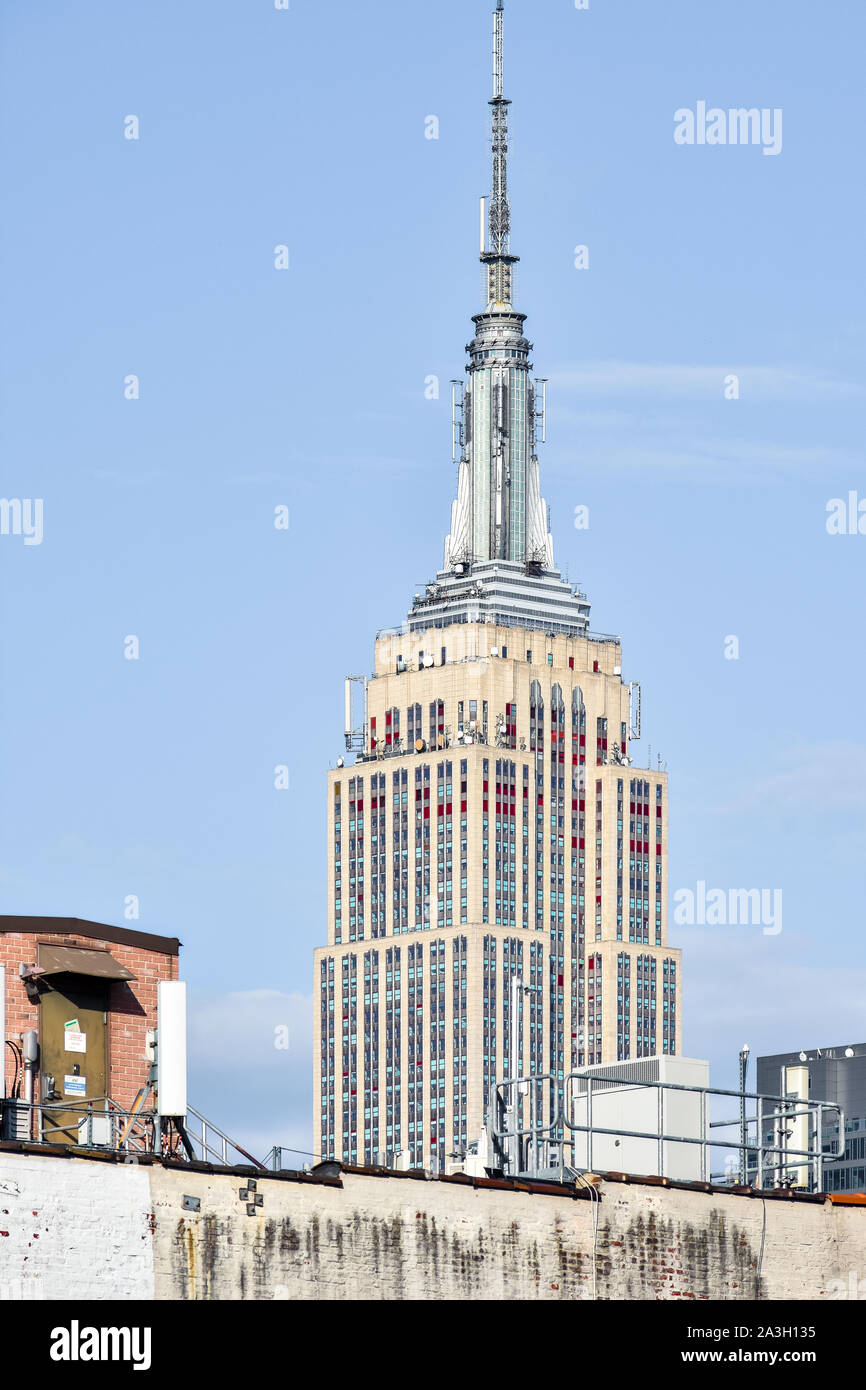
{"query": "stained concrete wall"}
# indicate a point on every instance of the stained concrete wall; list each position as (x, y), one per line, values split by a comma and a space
(398, 1238)
(80, 1228)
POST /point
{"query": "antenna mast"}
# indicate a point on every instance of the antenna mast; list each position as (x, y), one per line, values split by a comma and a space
(500, 214)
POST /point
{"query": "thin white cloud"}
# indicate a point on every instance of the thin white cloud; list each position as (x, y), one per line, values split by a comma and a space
(824, 777)
(249, 1029)
(703, 460)
(767, 991)
(243, 1078)
(698, 382)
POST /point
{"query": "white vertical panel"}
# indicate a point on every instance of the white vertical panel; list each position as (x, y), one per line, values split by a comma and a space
(171, 1043)
(3, 1028)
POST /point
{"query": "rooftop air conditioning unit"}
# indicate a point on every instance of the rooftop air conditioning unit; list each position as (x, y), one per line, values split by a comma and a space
(16, 1121)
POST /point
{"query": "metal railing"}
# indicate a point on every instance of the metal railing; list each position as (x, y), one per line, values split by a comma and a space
(274, 1159)
(213, 1144)
(533, 1123)
(100, 1123)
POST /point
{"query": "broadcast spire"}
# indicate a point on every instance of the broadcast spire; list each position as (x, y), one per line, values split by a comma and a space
(497, 255)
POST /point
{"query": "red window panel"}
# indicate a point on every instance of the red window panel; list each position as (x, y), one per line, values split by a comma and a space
(448, 808)
(574, 842)
(463, 806)
(560, 980)
(484, 805)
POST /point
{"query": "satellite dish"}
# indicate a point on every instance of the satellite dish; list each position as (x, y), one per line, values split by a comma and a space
(420, 745)
(849, 1052)
(428, 661)
(802, 1057)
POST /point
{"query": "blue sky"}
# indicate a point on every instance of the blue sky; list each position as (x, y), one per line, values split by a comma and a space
(305, 388)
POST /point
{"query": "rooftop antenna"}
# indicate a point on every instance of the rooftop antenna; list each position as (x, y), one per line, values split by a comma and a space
(500, 213)
(497, 257)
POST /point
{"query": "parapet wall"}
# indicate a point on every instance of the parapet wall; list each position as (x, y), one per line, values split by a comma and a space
(79, 1227)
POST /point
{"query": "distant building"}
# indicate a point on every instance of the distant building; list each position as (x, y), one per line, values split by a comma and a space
(837, 1075)
(497, 863)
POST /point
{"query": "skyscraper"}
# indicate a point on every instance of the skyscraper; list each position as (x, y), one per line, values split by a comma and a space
(493, 827)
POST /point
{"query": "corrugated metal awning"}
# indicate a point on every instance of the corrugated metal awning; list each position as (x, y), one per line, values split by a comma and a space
(77, 960)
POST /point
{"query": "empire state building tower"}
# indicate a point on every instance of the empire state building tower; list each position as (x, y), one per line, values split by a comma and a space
(492, 827)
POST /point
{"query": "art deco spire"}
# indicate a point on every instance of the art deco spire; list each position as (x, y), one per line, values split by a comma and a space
(498, 513)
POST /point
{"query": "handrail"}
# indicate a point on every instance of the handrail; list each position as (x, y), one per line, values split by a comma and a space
(132, 1131)
(512, 1140)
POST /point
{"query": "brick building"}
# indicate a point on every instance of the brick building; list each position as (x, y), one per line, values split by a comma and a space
(89, 991)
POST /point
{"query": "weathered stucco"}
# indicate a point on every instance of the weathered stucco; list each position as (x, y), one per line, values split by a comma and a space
(82, 1228)
(399, 1238)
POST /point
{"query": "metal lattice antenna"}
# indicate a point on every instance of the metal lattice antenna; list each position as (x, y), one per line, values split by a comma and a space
(500, 213)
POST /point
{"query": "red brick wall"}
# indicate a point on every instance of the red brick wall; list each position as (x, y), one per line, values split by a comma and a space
(132, 1004)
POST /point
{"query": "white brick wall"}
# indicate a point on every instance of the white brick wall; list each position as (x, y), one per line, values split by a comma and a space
(74, 1228)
